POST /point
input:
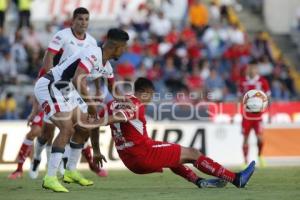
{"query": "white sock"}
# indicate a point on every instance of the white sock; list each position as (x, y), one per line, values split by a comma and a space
(38, 148)
(54, 161)
(74, 157)
(67, 151)
(48, 152)
(86, 144)
(28, 142)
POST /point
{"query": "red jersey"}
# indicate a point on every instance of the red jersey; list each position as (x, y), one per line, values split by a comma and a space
(139, 153)
(131, 133)
(258, 83)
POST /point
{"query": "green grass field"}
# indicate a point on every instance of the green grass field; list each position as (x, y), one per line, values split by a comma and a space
(266, 184)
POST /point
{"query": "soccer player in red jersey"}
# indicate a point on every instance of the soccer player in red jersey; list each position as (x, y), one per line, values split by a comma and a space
(250, 121)
(142, 155)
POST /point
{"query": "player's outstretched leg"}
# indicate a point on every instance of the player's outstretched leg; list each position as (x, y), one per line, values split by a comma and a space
(213, 168)
(24, 152)
(87, 153)
(71, 174)
(190, 176)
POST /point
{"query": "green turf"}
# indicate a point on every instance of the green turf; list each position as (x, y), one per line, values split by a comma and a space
(266, 184)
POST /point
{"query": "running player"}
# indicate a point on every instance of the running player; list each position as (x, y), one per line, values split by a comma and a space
(64, 44)
(253, 120)
(61, 101)
(142, 155)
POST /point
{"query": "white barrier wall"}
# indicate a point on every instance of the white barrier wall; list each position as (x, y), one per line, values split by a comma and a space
(279, 15)
(222, 142)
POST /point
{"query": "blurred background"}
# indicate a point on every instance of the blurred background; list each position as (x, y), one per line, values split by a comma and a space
(197, 48)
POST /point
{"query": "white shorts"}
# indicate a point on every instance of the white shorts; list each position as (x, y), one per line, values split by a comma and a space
(53, 100)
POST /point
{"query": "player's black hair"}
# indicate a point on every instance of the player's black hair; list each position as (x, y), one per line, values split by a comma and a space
(116, 34)
(141, 84)
(80, 11)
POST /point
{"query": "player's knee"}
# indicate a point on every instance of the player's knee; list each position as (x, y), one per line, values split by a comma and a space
(189, 154)
(194, 152)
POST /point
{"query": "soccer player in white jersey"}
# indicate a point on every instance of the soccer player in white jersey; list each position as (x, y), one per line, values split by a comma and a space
(61, 102)
(64, 44)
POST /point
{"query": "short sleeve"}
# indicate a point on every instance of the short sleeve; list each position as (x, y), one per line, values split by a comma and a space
(56, 42)
(88, 60)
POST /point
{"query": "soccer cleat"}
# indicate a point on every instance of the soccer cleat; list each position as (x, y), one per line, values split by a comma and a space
(262, 162)
(52, 183)
(211, 183)
(76, 177)
(15, 175)
(34, 169)
(243, 177)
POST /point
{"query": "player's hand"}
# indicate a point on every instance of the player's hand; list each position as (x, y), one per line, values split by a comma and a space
(98, 160)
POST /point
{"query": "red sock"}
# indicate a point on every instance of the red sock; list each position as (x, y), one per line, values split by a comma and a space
(185, 172)
(210, 167)
(87, 152)
(260, 145)
(245, 152)
(24, 152)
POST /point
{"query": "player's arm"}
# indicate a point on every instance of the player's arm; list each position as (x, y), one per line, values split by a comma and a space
(48, 60)
(34, 110)
(54, 47)
(98, 157)
(114, 90)
(98, 93)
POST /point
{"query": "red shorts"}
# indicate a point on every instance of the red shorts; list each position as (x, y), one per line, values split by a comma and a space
(247, 125)
(38, 120)
(151, 157)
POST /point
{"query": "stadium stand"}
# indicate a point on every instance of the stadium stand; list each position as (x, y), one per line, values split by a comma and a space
(204, 57)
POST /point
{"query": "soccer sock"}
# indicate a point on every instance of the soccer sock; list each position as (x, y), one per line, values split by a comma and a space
(260, 145)
(210, 167)
(75, 152)
(67, 151)
(185, 172)
(24, 152)
(48, 152)
(54, 161)
(245, 152)
(87, 153)
(39, 146)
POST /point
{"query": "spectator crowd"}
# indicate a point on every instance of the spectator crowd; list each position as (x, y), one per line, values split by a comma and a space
(203, 57)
